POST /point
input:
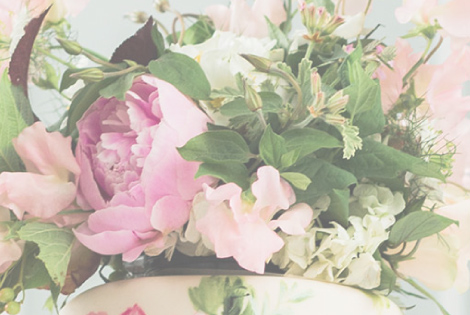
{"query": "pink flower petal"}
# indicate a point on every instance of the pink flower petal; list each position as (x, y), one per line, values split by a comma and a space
(271, 191)
(42, 196)
(170, 213)
(295, 220)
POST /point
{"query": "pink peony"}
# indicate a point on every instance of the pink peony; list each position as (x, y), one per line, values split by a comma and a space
(243, 229)
(248, 21)
(10, 250)
(132, 174)
(48, 185)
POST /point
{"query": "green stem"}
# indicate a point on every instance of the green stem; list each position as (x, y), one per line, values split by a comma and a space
(95, 54)
(367, 7)
(124, 71)
(418, 63)
(100, 61)
(259, 113)
(308, 54)
(426, 294)
(54, 57)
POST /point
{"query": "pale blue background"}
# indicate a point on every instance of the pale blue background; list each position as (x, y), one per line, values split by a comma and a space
(102, 26)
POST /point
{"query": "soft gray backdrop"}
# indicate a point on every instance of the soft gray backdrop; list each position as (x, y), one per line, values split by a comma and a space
(102, 26)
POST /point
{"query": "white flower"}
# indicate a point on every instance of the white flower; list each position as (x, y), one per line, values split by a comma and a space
(364, 272)
(352, 26)
(220, 57)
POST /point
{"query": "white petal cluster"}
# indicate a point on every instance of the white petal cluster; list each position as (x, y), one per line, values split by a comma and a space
(345, 255)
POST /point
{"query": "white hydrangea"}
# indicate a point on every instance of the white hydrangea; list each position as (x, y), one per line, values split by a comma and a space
(345, 255)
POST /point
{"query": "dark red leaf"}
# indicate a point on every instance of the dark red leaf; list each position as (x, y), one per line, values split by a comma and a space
(19, 63)
(139, 47)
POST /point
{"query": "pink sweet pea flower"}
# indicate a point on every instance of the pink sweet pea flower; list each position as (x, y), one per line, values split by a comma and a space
(391, 80)
(242, 229)
(47, 187)
(248, 21)
(132, 173)
(59, 10)
(10, 250)
(441, 262)
(351, 7)
(452, 16)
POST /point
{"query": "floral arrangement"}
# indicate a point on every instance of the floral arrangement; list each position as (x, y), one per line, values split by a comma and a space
(321, 152)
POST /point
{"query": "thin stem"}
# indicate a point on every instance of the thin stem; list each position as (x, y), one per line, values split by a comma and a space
(100, 61)
(259, 113)
(54, 57)
(441, 40)
(93, 53)
(309, 50)
(122, 72)
(426, 294)
(179, 18)
(367, 7)
(417, 64)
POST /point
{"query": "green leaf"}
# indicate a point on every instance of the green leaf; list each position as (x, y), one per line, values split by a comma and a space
(352, 58)
(338, 211)
(209, 296)
(12, 123)
(417, 225)
(297, 180)
(309, 140)
(324, 176)
(371, 121)
(218, 146)
(290, 158)
(363, 92)
(158, 40)
(351, 139)
(55, 245)
(271, 147)
(67, 81)
(119, 87)
(377, 160)
(305, 81)
(82, 101)
(182, 72)
(228, 172)
(278, 35)
(198, 33)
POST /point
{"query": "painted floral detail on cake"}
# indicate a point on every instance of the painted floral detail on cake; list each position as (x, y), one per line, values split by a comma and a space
(134, 310)
(221, 295)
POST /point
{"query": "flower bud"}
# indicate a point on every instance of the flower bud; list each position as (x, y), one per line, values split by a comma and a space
(162, 5)
(90, 75)
(71, 47)
(316, 82)
(260, 63)
(252, 99)
(337, 103)
(139, 17)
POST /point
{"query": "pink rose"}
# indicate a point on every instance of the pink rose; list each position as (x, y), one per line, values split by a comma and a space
(10, 250)
(244, 229)
(47, 187)
(132, 174)
(242, 19)
(10, 11)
